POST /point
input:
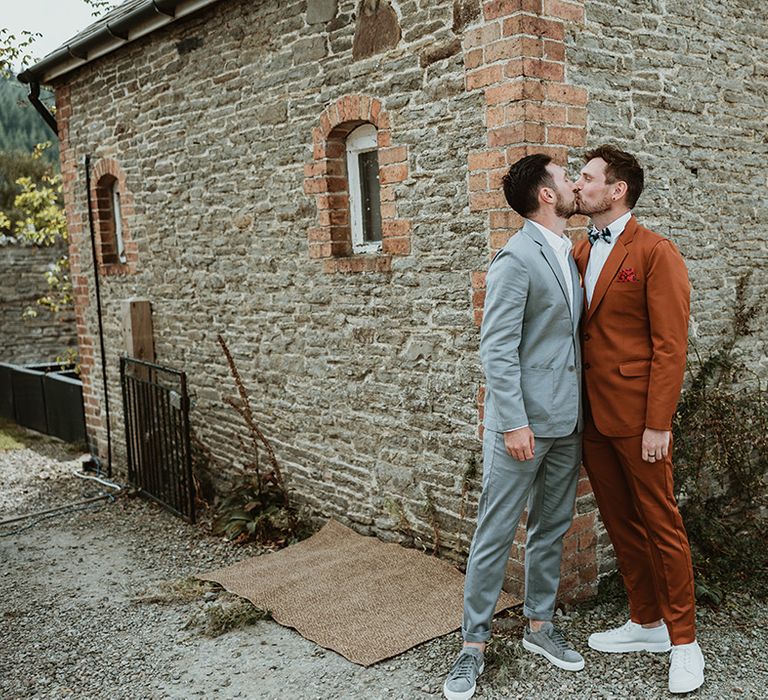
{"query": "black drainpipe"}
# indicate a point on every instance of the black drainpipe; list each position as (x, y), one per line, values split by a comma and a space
(34, 98)
(87, 162)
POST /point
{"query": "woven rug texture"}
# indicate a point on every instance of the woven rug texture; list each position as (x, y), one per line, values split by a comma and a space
(363, 598)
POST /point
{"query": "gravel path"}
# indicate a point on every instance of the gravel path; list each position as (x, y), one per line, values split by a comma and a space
(77, 622)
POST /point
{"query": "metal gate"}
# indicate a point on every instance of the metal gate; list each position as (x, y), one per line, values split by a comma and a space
(156, 410)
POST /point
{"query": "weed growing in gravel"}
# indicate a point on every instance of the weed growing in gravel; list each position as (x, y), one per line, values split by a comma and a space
(504, 652)
(225, 616)
(502, 658)
(184, 590)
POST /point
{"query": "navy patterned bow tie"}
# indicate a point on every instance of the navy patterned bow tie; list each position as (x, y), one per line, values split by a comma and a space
(595, 233)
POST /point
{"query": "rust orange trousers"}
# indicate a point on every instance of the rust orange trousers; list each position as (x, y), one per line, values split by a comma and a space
(638, 507)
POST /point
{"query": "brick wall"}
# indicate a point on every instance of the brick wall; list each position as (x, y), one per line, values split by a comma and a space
(516, 56)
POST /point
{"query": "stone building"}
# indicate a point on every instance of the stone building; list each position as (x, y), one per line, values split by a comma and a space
(227, 128)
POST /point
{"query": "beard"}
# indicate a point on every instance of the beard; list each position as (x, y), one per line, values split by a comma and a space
(598, 207)
(565, 209)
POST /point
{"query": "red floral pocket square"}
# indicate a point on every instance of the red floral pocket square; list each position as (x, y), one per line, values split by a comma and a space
(627, 275)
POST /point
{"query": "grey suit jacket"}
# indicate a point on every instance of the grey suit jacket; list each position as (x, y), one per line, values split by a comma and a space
(529, 343)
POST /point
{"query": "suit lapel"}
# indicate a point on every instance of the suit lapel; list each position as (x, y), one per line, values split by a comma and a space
(612, 265)
(549, 256)
(577, 292)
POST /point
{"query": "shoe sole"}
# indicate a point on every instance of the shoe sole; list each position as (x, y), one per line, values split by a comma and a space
(565, 665)
(467, 694)
(654, 647)
(688, 688)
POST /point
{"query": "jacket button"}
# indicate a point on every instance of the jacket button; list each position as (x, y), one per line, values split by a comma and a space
(587, 336)
(587, 365)
(571, 368)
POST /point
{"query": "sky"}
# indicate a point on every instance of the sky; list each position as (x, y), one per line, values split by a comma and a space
(56, 20)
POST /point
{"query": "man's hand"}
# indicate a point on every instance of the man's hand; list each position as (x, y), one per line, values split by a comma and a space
(520, 443)
(655, 444)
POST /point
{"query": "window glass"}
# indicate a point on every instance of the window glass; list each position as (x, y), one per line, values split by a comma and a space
(368, 163)
(118, 219)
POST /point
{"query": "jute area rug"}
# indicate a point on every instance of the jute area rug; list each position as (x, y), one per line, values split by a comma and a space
(363, 598)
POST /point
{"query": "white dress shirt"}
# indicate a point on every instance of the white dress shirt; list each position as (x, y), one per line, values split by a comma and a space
(599, 254)
(561, 245)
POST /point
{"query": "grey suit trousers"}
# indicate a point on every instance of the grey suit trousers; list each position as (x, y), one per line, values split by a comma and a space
(548, 484)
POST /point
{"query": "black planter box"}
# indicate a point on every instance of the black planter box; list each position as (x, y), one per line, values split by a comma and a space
(6, 392)
(29, 398)
(44, 397)
(64, 406)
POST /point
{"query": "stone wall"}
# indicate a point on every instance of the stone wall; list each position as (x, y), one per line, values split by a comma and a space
(364, 375)
(364, 371)
(684, 87)
(28, 340)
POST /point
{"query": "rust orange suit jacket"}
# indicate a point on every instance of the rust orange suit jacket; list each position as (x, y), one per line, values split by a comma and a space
(635, 333)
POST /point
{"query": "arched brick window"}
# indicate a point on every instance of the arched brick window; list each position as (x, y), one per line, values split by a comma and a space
(113, 208)
(340, 142)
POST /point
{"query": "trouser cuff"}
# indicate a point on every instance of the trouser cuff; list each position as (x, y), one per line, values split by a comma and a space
(543, 615)
(477, 637)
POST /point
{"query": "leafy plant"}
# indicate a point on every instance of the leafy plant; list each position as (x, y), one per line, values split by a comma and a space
(467, 478)
(256, 509)
(259, 506)
(721, 457)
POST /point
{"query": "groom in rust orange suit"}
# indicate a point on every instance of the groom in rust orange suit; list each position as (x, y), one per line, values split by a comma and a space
(634, 340)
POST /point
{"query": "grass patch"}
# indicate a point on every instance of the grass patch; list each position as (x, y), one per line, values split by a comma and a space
(226, 616)
(10, 436)
(186, 590)
(227, 613)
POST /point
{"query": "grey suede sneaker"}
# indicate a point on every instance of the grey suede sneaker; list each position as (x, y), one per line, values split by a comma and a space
(550, 643)
(460, 684)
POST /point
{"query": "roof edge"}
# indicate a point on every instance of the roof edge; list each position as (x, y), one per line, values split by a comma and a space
(85, 47)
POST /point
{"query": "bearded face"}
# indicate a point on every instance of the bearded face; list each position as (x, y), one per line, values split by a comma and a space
(565, 203)
(593, 192)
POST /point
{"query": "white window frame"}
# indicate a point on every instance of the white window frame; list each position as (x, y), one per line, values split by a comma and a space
(118, 220)
(362, 140)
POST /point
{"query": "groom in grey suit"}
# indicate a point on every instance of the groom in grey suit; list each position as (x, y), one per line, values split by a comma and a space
(529, 347)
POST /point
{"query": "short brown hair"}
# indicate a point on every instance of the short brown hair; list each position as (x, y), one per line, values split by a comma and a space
(620, 166)
(523, 181)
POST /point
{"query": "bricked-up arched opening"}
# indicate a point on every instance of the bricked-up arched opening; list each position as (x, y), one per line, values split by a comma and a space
(326, 177)
(113, 206)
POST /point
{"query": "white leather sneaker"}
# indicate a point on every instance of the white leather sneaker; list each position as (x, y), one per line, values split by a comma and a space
(631, 637)
(686, 668)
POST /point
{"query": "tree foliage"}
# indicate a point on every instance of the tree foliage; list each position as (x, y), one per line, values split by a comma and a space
(16, 166)
(36, 217)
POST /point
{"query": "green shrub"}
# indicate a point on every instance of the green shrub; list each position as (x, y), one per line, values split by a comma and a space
(721, 460)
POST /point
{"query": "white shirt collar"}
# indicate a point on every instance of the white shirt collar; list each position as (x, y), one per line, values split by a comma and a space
(560, 244)
(617, 227)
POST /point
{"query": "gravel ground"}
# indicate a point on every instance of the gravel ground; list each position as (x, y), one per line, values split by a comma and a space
(77, 621)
